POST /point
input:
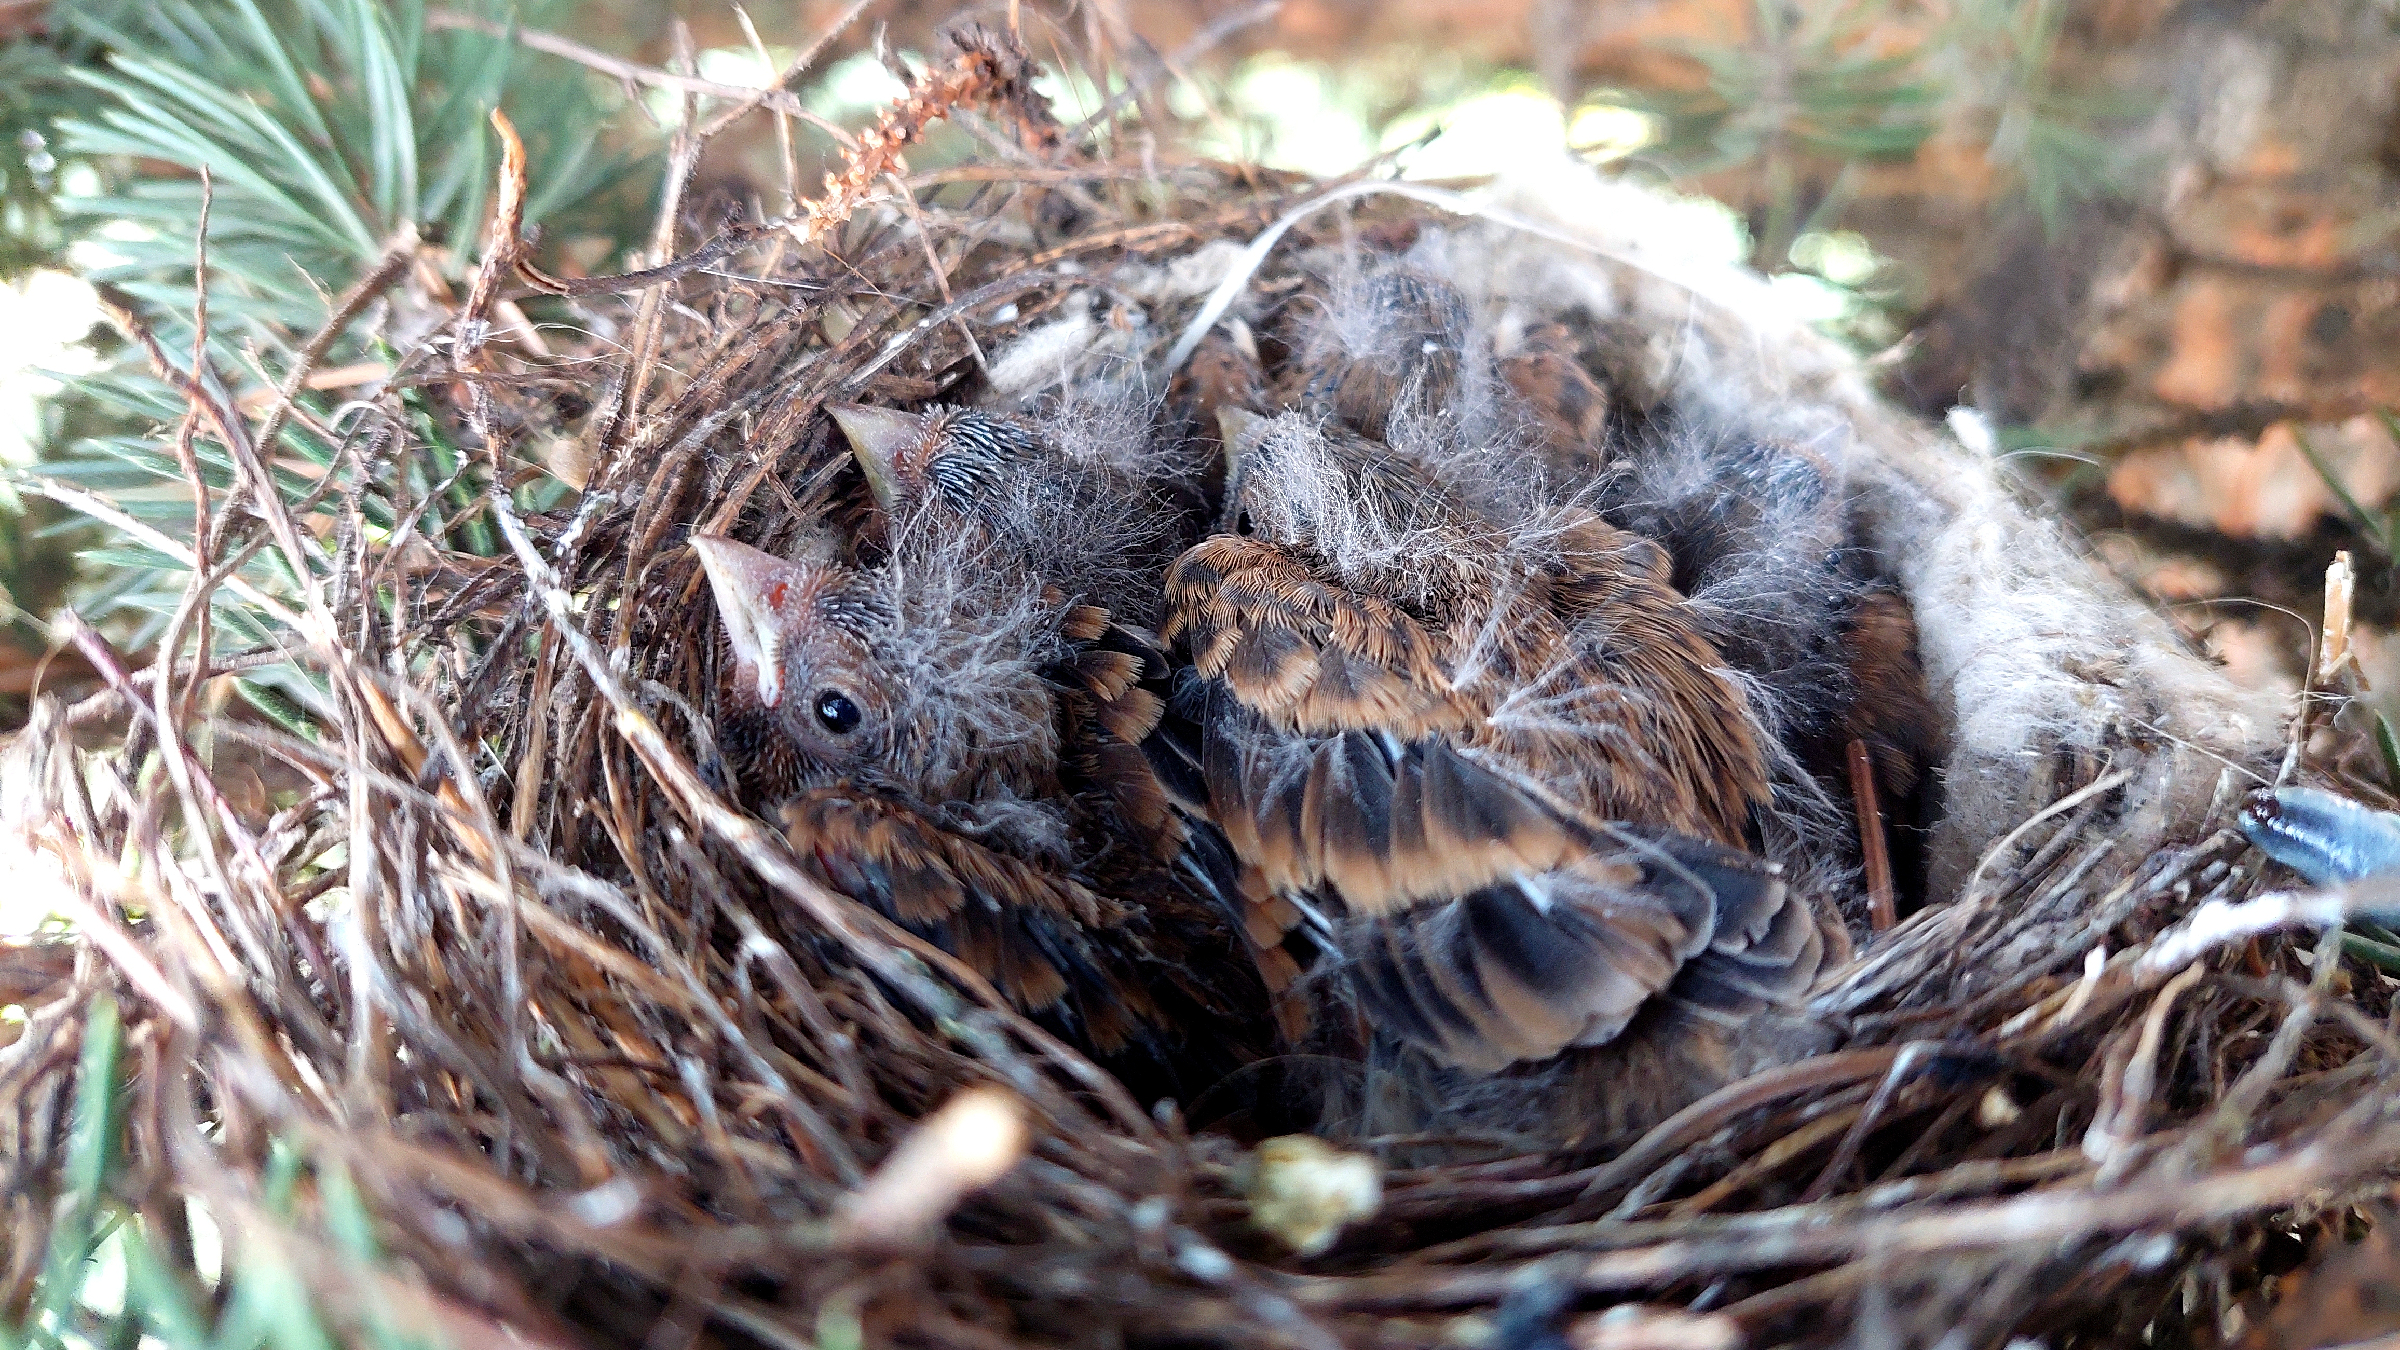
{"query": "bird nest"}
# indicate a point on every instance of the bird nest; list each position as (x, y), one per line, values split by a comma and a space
(473, 1004)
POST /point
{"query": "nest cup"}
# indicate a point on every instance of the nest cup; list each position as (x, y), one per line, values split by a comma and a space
(503, 978)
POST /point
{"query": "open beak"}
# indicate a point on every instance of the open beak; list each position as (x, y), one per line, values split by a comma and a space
(751, 587)
(877, 436)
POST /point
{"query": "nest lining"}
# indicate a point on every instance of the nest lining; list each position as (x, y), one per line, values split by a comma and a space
(607, 1067)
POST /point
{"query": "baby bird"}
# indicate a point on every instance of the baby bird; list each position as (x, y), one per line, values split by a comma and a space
(1759, 539)
(1492, 752)
(1105, 524)
(949, 719)
(1388, 348)
(1757, 533)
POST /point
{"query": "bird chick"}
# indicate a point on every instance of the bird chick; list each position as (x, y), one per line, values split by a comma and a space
(1566, 408)
(1395, 344)
(1757, 534)
(1496, 754)
(953, 737)
(1759, 538)
(1097, 522)
(1100, 526)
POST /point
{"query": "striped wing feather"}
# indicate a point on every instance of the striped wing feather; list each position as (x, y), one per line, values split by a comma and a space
(1527, 968)
(1302, 652)
(1491, 921)
(1029, 929)
(1119, 688)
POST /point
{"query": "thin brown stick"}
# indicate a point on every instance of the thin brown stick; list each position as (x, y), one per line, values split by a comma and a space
(504, 248)
(683, 156)
(775, 93)
(632, 72)
(979, 75)
(195, 787)
(723, 244)
(1882, 910)
(1846, 1153)
(202, 393)
(121, 948)
(1701, 1117)
(187, 458)
(102, 703)
(909, 206)
(976, 76)
(784, 152)
(2332, 674)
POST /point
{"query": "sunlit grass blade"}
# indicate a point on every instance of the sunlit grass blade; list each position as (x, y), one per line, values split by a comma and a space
(2364, 520)
(91, 1153)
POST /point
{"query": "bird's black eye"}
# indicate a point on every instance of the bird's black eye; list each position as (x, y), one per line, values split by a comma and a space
(1241, 523)
(837, 713)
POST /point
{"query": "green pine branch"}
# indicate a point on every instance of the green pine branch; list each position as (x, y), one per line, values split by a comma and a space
(327, 128)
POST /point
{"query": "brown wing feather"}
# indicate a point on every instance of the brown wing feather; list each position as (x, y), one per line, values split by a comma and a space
(1615, 700)
(1030, 930)
(1892, 711)
(1112, 674)
(1115, 702)
(1569, 409)
(1530, 967)
(1491, 978)
(1382, 831)
(1448, 781)
(1303, 652)
(882, 852)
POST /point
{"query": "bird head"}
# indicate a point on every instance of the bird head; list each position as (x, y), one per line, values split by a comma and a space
(1402, 318)
(1320, 490)
(929, 675)
(1074, 498)
(949, 459)
(802, 638)
(1390, 348)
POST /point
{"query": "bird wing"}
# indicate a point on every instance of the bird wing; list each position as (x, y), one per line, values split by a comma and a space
(1114, 684)
(1491, 919)
(1891, 710)
(1269, 923)
(1338, 752)
(1568, 409)
(1123, 741)
(1027, 928)
(1484, 925)
(1304, 652)
(1326, 752)
(1383, 822)
(1528, 967)
(1615, 698)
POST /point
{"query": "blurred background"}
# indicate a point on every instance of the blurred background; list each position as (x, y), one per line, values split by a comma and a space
(2147, 250)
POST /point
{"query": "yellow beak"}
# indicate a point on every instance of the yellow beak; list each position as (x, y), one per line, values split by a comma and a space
(877, 437)
(749, 585)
